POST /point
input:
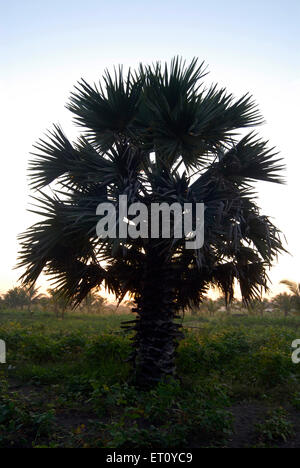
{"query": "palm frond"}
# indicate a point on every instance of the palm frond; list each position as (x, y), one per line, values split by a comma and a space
(107, 110)
(250, 159)
(293, 286)
(76, 165)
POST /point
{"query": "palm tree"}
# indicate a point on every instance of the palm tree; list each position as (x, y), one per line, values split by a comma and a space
(210, 305)
(33, 297)
(99, 303)
(22, 296)
(294, 288)
(93, 301)
(283, 302)
(58, 300)
(16, 297)
(259, 306)
(156, 135)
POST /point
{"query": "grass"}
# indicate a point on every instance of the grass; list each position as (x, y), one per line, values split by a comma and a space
(67, 384)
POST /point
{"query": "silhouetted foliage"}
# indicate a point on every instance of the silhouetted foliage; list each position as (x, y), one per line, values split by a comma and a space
(156, 135)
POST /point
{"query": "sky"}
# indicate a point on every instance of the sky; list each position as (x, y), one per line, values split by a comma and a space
(47, 46)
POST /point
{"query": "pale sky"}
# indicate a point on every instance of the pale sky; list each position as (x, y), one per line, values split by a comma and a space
(46, 46)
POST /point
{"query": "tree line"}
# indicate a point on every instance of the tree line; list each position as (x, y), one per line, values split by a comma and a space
(30, 299)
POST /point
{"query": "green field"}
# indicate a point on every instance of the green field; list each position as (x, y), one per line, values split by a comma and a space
(67, 384)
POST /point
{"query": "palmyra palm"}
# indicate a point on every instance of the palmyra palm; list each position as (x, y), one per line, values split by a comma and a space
(156, 135)
(294, 288)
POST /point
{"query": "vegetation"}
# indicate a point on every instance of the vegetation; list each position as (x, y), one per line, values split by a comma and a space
(157, 136)
(275, 427)
(20, 298)
(294, 289)
(283, 302)
(67, 383)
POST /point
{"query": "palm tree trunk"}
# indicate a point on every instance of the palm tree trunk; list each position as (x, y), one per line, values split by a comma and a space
(156, 334)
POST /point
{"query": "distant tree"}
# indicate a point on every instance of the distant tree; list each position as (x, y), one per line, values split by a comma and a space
(45, 302)
(16, 297)
(58, 302)
(33, 297)
(20, 297)
(258, 306)
(99, 303)
(294, 288)
(93, 302)
(210, 305)
(283, 302)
